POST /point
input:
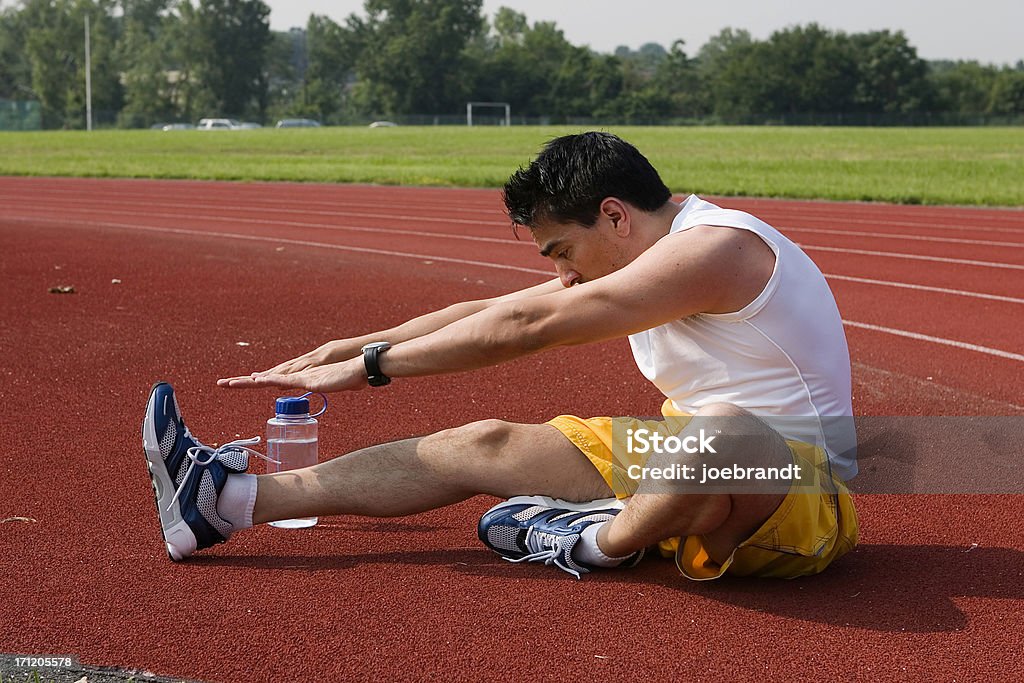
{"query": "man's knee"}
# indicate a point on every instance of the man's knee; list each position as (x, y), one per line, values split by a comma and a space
(467, 456)
(746, 438)
(479, 439)
(709, 503)
(721, 409)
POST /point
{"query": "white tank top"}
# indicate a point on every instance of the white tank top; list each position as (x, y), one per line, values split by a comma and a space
(783, 356)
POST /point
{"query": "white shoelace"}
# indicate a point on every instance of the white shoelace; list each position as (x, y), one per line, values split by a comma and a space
(547, 547)
(214, 453)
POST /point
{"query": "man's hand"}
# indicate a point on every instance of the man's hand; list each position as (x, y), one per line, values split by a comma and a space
(341, 350)
(326, 354)
(331, 352)
(348, 375)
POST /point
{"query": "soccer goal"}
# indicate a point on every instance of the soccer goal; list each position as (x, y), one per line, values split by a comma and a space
(472, 105)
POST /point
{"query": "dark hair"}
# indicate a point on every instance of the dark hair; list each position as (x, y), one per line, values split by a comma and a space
(573, 174)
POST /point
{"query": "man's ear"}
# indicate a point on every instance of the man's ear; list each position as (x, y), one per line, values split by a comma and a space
(616, 211)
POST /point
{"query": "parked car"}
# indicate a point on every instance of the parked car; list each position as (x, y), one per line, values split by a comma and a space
(298, 123)
(383, 124)
(218, 124)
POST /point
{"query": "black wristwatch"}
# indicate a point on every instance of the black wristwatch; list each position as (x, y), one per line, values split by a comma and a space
(371, 359)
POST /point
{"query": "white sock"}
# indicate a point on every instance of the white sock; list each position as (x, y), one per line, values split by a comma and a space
(237, 500)
(587, 551)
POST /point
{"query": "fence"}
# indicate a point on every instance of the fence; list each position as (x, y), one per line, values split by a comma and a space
(915, 119)
(21, 115)
(18, 115)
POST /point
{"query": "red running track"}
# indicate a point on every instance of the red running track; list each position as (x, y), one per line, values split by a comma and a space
(932, 298)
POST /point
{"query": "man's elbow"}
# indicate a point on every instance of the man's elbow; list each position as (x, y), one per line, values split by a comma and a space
(526, 328)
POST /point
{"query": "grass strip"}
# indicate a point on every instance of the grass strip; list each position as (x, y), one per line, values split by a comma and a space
(969, 166)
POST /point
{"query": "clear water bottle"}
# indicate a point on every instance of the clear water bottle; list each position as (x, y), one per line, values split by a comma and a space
(292, 441)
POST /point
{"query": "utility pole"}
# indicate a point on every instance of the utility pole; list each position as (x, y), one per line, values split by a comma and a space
(88, 78)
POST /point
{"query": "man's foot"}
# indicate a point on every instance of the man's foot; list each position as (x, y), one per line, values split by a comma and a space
(187, 476)
(541, 529)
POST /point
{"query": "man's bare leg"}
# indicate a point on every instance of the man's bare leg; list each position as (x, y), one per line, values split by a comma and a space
(405, 477)
(505, 460)
(414, 475)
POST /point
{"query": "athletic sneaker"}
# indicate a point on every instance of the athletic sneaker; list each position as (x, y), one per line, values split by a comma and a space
(187, 475)
(542, 529)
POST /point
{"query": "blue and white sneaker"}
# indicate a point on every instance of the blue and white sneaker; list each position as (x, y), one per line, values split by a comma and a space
(187, 475)
(542, 529)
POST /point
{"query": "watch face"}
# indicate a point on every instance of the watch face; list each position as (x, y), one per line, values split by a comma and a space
(377, 345)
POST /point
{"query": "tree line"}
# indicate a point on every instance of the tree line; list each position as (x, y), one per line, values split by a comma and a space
(179, 60)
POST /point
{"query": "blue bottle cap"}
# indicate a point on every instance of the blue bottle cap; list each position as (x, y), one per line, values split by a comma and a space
(292, 405)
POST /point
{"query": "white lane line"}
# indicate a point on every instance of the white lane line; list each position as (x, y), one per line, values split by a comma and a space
(304, 243)
(914, 257)
(900, 236)
(260, 203)
(339, 214)
(422, 233)
(144, 188)
(268, 204)
(486, 264)
(937, 340)
(474, 238)
(792, 210)
(924, 288)
(911, 224)
(300, 224)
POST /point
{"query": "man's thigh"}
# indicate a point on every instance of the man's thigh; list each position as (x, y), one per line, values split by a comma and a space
(507, 459)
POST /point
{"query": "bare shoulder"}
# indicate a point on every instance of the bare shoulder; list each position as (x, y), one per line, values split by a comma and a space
(714, 237)
(739, 261)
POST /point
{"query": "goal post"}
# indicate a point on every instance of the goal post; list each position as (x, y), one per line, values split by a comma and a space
(471, 105)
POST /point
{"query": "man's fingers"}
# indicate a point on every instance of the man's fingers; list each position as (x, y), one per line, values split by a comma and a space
(237, 382)
(257, 380)
(286, 368)
(284, 375)
(281, 369)
(294, 373)
(279, 380)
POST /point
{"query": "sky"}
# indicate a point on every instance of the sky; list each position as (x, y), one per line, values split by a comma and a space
(990, 32)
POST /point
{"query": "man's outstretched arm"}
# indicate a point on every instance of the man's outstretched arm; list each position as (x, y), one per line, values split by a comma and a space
(344, 349)
(688, 274)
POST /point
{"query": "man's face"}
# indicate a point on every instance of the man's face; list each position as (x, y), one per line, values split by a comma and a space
(581, 254)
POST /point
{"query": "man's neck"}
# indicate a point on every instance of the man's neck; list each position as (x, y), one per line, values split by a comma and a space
(658, 224)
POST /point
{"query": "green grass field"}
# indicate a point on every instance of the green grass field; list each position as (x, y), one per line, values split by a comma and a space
(983, 166)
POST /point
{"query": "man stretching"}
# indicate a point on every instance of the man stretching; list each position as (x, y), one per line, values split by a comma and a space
(728, 318)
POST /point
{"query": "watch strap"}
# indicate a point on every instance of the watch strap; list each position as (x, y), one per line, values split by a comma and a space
(371, 361)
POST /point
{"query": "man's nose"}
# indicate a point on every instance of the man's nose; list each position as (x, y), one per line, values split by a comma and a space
(568, 277)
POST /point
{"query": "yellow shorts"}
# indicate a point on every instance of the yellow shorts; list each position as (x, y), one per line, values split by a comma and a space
(811, 527)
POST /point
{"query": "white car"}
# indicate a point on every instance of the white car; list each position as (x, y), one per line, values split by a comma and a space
(298, 123)
(218, 124)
